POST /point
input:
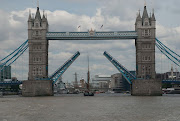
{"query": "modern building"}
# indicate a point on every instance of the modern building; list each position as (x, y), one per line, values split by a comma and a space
(116, 81)
(119, 83)
(5, 73)
(101, 81)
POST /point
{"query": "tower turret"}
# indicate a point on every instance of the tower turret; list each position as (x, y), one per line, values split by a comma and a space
(138, 20)
(153, 20)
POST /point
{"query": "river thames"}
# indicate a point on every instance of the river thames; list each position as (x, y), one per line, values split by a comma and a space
(101, 107)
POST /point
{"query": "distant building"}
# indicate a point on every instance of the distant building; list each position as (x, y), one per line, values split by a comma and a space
(5, 73)
(82, 83)
(171, 75)
(116, 82)
(119, 83)
(101, 81)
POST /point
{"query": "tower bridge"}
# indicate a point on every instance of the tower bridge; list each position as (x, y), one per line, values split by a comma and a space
(144, 35)
(143, 83)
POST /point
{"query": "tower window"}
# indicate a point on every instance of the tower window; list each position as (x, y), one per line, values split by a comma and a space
(145, 57)
(37, 33)
(37, 25)
(149, 58)
(146, 33)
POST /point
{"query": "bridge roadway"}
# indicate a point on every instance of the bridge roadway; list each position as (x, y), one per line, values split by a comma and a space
(91, 35)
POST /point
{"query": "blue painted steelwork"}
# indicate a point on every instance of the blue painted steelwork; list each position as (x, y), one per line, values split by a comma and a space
(15, 50)
(167, 47)
(10, 83)
(171, 81)
(168, 52)
(126, 74)
(63, 68)
(160, 48)
(20, 50)
(24, 49)
(91, 35)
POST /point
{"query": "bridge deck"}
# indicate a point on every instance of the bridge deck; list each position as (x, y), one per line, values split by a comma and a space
(91, 35)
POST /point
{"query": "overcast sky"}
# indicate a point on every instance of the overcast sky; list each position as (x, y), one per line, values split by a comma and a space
(67, 15)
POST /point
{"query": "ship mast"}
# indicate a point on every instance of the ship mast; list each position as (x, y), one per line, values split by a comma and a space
(88, 75)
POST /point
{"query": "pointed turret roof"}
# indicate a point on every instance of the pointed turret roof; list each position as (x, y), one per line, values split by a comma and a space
(38, 15)
(44, 18)
(145, 13)
(30, 18)
(138, 17)
(153, 17)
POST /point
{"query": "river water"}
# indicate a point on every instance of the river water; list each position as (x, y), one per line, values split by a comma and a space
(101, 107)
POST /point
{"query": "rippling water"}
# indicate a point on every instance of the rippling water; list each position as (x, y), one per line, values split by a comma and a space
(101, 107)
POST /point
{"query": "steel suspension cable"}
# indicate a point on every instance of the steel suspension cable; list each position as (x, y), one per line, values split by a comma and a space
(167, 47)
(19, 55)
(166, 55)
(15, 50)
(169, 53)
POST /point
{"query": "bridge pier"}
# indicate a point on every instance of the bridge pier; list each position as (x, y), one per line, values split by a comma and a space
(33, 88)
(146, 87)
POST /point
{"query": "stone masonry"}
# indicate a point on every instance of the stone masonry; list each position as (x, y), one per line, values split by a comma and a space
(37, 83)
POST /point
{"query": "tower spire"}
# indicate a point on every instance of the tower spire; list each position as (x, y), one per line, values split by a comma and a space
(144, 3)
(38, 15)
(37, 3)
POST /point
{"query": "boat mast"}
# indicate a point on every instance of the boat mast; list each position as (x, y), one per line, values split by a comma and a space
(88, 75)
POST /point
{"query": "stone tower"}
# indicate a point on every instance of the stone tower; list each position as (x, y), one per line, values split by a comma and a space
(38, 46)
(38, 58)
(145, 45)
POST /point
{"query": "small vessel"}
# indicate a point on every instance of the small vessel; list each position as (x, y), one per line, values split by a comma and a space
(88, 92)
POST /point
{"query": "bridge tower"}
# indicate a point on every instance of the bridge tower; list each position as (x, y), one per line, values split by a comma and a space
(38, 58)
(38, 46)
(145, 45)
(146, 84)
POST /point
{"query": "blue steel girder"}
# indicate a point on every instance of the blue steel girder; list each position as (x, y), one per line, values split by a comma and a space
(171, 81)
(10, 82)
(126, 74)
(91, 35)
(63, 68)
